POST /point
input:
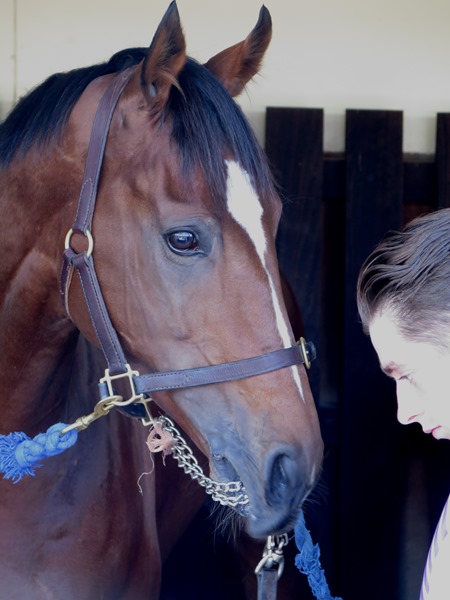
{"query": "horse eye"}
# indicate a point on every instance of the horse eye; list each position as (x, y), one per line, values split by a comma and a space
(183, 242)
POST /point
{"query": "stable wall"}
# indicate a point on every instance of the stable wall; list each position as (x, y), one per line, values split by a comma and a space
(332, 54)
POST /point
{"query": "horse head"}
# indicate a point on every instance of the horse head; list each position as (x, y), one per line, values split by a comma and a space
(184, 247)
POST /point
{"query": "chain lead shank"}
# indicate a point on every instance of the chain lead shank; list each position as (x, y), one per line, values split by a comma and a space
(231, 493)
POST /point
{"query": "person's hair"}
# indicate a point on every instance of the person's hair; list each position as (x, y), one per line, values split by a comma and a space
(408, 273)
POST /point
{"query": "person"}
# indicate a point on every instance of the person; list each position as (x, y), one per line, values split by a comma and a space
(403, 299)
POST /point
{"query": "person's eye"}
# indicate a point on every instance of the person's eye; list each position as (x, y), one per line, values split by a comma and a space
(183, 242)
(406, 377)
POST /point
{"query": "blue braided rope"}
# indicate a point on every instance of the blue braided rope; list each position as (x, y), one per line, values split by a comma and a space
(308, 561)
(20, 455)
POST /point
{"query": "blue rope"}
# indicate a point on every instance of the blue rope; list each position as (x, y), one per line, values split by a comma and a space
(19, 454)
(308, 561)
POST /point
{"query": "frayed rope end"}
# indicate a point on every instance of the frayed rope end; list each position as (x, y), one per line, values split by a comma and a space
(20, 455)
(308, 561)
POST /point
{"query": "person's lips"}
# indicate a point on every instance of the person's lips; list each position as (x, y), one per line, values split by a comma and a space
(432, 430)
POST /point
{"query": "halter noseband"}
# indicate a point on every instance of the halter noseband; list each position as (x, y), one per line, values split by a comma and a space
(118, 368)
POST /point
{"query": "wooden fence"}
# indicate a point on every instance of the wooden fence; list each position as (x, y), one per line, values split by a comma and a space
(383, 485)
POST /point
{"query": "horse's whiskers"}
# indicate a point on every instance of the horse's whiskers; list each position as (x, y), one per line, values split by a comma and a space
(228, 523)
(318, 495)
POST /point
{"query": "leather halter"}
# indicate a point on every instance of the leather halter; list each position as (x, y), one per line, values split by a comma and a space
(82, 262)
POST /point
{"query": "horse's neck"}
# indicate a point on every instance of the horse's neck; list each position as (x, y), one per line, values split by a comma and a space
(36, 337)
(39, 346)
(47, 370)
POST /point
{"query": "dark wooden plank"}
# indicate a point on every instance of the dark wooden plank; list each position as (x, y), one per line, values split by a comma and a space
(294, 149)
(420, 181)
(443, 159)
(370, 477)
(294, 140)
(334, 177)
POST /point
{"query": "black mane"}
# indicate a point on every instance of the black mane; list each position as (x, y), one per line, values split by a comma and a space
(205, 120)
(41, 115)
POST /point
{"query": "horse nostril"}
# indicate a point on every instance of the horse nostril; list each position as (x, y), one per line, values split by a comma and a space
(282, 479)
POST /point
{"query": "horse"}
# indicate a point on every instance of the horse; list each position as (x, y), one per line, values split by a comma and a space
(138, 221)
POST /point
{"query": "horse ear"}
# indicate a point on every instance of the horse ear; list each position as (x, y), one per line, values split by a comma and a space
(236, 65)
(165, 59)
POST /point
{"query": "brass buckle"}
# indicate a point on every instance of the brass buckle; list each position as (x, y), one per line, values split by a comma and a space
(129, 374)
(305, 352)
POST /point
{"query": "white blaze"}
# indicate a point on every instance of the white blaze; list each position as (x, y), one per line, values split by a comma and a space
(245, 208)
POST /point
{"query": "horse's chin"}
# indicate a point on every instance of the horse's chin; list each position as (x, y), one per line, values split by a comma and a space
(259, 527)
(266, 519)
(263, 514)
(257, 518)
(230, 522)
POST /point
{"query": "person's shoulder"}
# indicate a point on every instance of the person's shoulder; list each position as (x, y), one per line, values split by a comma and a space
(439, 578)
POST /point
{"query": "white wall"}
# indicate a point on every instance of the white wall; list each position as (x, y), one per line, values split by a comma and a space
(335, 54)
(7, 50)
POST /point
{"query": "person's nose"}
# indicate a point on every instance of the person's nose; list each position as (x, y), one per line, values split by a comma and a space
(409, 407)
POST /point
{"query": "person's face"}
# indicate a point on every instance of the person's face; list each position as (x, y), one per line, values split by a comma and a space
(421, 371)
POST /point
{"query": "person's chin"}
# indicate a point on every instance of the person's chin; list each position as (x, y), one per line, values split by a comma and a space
(441, 433)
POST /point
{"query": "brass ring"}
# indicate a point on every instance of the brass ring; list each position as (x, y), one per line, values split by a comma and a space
(89, 237)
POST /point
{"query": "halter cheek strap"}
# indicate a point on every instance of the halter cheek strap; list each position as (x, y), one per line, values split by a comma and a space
(83, 264)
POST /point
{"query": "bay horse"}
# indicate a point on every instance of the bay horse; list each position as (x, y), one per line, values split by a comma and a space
(178, 212)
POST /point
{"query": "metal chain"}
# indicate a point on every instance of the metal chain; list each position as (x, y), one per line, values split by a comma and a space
(231, 493)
